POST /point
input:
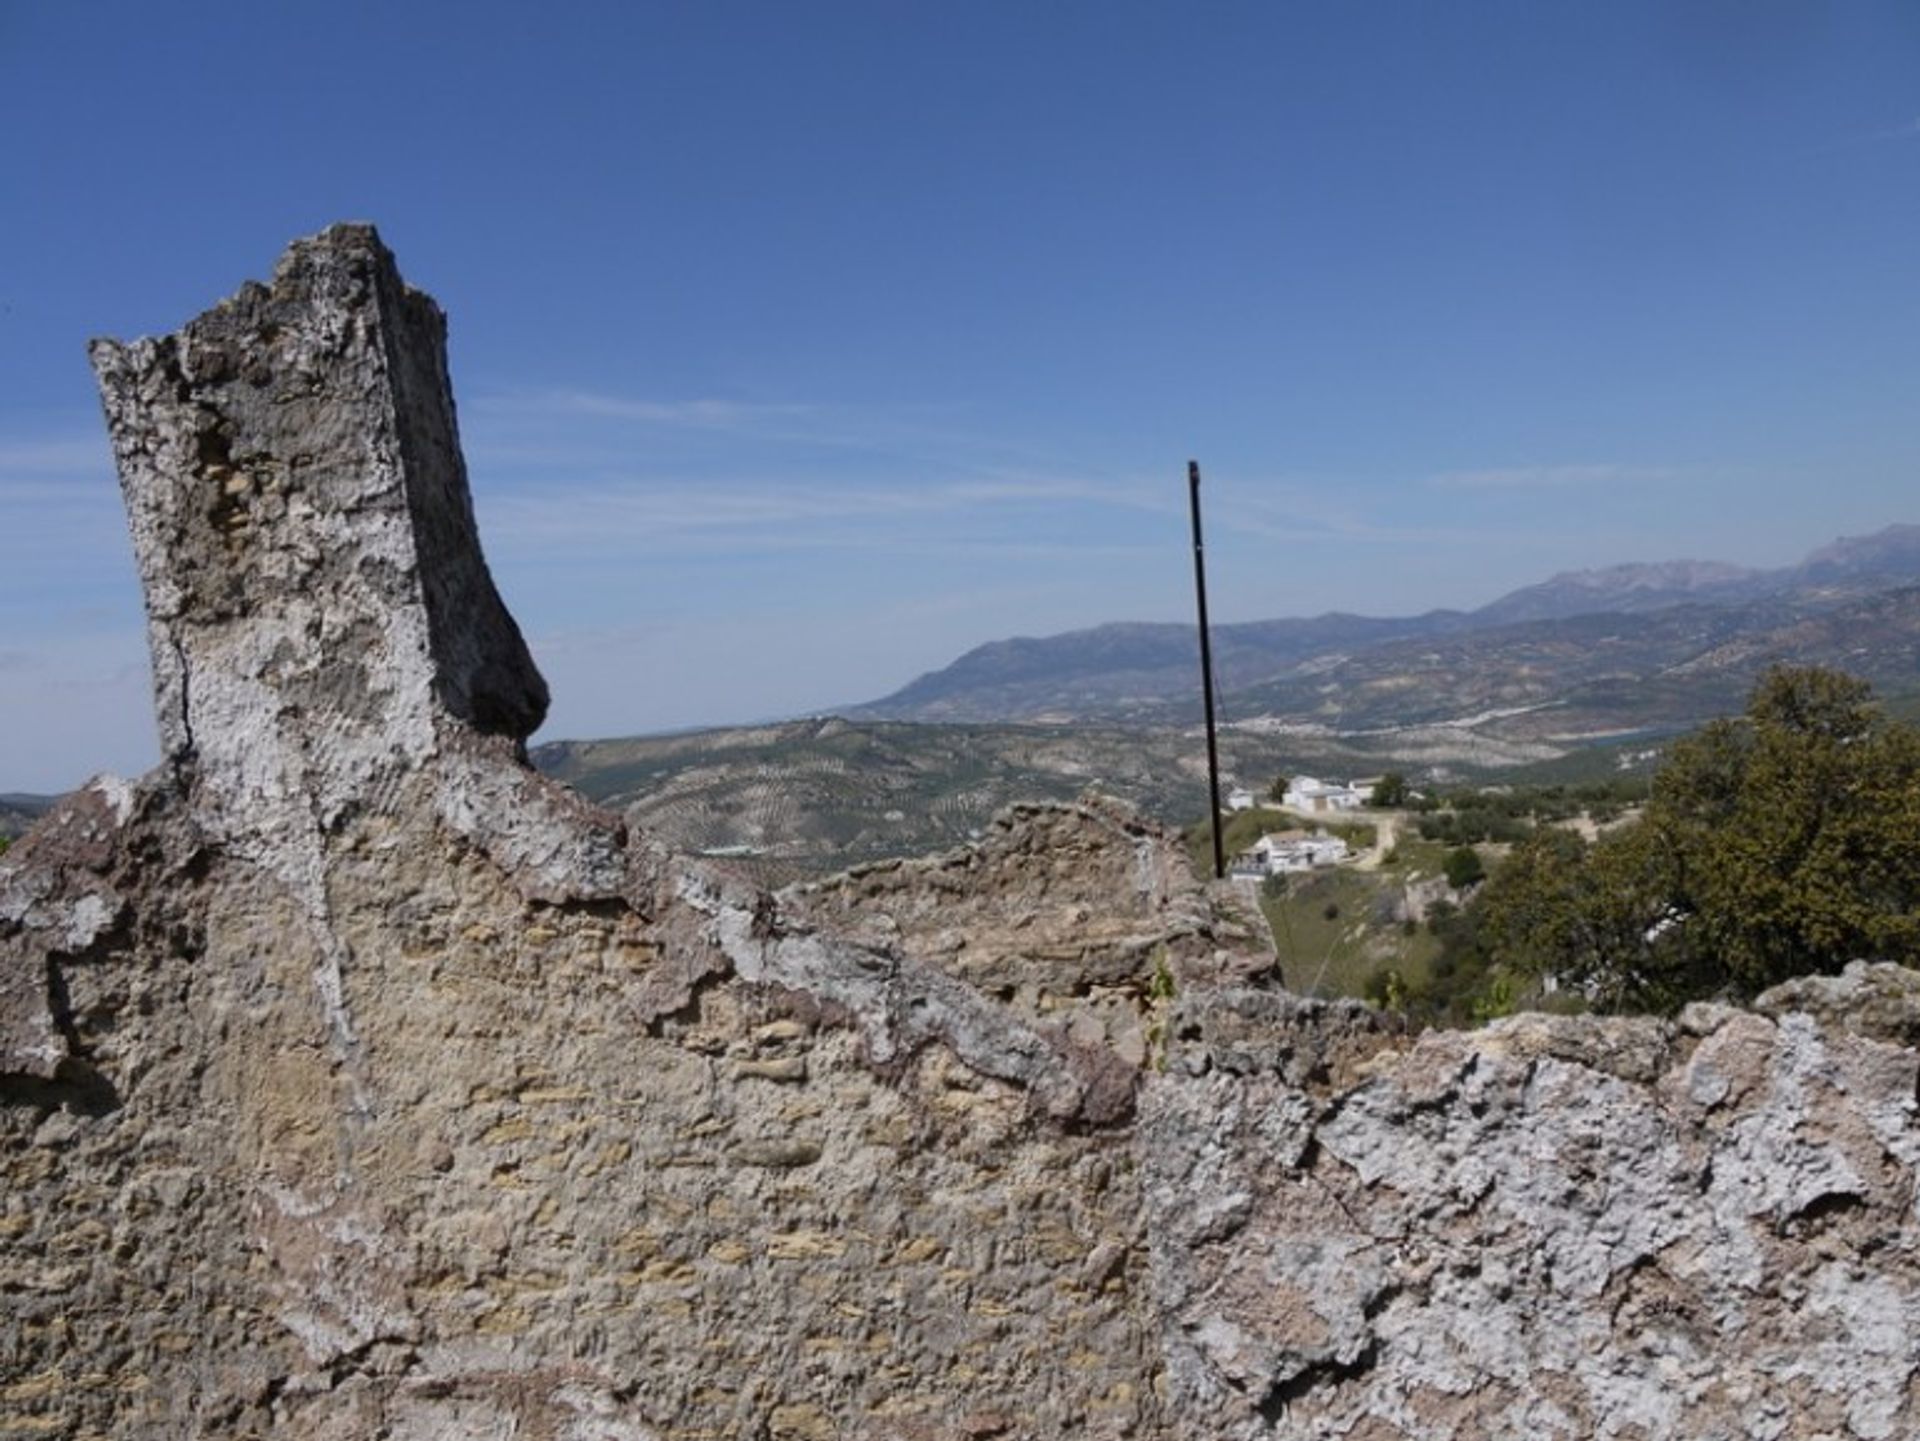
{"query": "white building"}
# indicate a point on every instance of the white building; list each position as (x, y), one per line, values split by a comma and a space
(1304, 793)
(1287, 852)
(1239, 799)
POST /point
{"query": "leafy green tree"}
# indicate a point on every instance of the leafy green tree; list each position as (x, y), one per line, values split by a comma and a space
(1277, 792)
(1598, 918)
(1527, 914)
(1462, 976)
(1782, 843)
(1389, 792)
(1795, 834)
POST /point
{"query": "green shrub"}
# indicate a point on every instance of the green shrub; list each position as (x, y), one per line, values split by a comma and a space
(1464, 868)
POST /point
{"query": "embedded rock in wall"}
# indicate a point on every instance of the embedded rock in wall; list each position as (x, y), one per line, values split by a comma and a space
(355, 1080)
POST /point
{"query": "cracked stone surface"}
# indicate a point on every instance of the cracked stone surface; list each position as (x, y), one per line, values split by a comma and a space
(357, 1081)
(1551, 1228)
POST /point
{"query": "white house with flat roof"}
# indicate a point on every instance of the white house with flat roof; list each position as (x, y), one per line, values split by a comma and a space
(1288, 852)
(1305, 793)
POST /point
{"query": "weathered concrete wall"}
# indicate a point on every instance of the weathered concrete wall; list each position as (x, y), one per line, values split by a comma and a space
(356, 1081)
(1551, 1228)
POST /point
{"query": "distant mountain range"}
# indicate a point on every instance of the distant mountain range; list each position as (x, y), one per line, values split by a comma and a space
(1579, 677)
(1583, 655)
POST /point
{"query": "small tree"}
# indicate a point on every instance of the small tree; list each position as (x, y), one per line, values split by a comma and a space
(1389, 792)
(1464, 868)
(1796, 831)
(1277, 792)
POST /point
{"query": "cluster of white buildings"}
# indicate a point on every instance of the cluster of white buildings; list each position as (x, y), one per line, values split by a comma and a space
(1286, 852)
(1305, 793)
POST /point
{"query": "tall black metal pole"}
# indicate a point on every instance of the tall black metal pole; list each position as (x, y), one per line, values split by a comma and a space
(1206, 670)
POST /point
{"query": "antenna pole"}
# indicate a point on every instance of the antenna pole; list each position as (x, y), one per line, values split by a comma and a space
(1206, 669)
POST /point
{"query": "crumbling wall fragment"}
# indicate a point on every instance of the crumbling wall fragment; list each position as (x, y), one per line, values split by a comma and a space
(358, 1080)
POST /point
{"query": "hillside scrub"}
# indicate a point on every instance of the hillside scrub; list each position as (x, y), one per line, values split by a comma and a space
(1781, 843)
(1340, 932)
(1508, 814)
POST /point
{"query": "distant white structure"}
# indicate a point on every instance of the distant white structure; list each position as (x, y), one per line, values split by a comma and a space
(1239, 799)
(1304, 793)
(1287, 852)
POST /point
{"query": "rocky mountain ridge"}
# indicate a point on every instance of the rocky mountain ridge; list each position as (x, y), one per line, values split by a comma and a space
(1653, 619)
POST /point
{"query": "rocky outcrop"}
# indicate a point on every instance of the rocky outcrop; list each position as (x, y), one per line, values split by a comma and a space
(356, 1081)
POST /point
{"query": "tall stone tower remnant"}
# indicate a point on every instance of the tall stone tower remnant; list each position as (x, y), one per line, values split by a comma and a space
(318, 605)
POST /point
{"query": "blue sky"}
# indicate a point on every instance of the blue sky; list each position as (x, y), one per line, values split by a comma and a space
(799, 348)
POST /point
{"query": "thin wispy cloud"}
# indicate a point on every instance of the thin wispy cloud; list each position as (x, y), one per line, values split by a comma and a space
(72, 494)
(1369, 523)
(1296, 509)
(634, 515)
(794, 422)
(1888, 135)
(1909, 131)
(562, 428)
(61, 515)
(701, 414)
(1555, 477)
(1026, 488)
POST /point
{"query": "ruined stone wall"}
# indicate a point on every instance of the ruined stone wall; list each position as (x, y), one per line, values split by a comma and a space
(356, 1081)
(1549, 1228)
